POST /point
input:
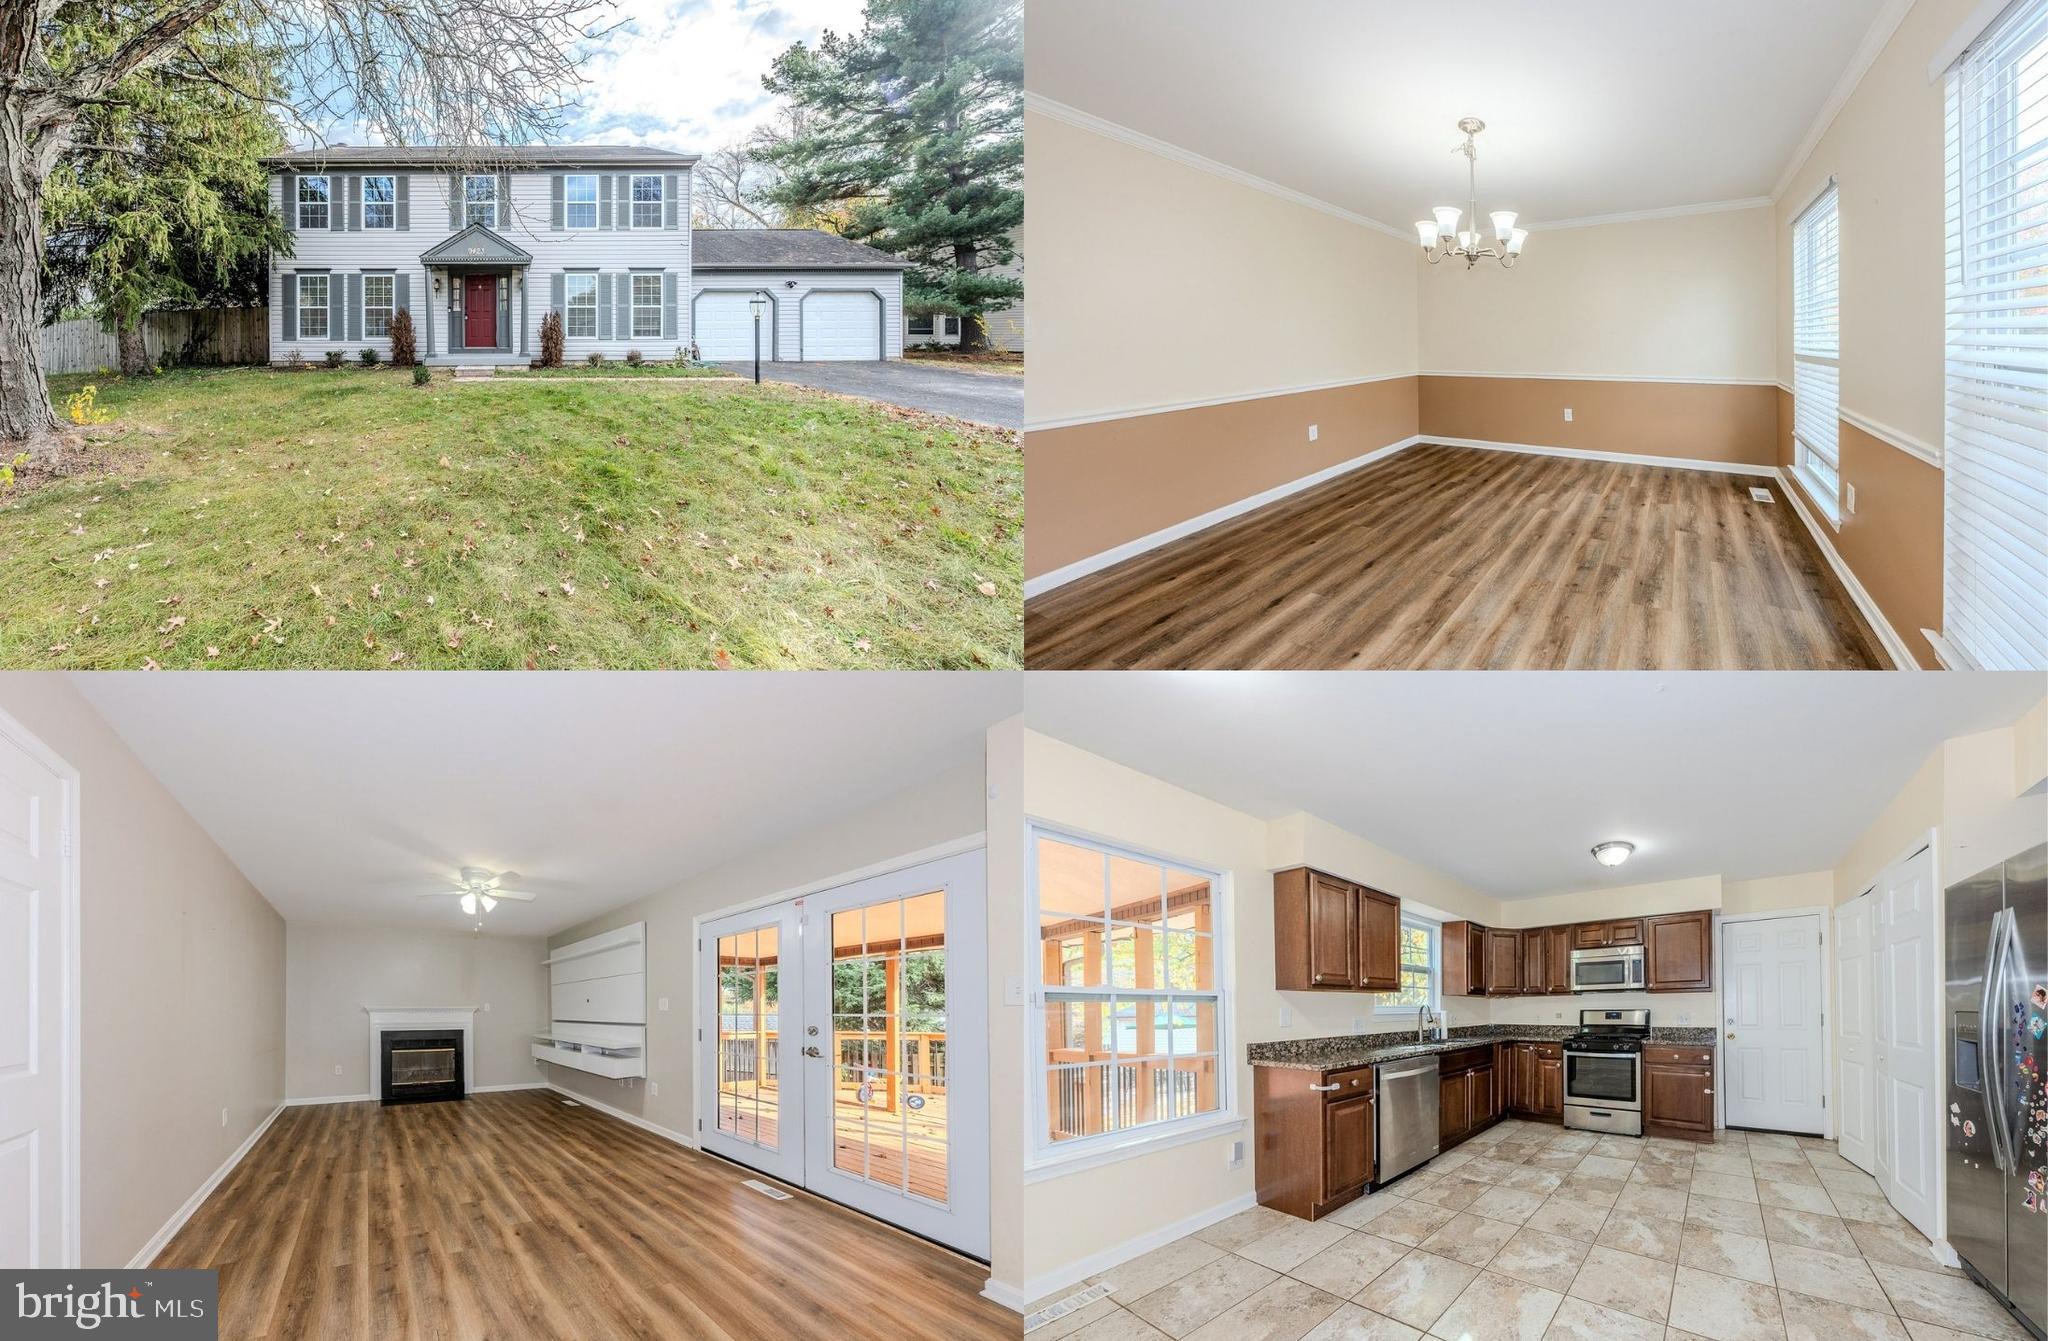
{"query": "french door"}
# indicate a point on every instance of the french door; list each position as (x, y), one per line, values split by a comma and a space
(849, 1050)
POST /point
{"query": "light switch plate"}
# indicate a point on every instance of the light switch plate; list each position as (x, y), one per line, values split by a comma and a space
(661, 1003)
(1567, 414)
(653, 1089)
(1848, 497)
(1013, 989)
(1313, 431)
(1286, 1016)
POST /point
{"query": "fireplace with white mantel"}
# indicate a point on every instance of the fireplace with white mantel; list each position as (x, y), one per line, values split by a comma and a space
(409, 1030)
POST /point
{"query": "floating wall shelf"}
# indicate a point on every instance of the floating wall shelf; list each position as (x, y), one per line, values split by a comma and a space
(597, 992)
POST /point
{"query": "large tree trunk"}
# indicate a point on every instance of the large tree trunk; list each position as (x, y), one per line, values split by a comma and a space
(973, 338)
(134, 356)
(25, 415)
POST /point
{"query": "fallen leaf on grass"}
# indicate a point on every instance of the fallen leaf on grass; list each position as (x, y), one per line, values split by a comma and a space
(986, 588)
(721, 659)
(213, 651)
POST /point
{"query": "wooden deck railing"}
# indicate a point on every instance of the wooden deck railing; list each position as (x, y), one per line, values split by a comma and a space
(1145, 1090)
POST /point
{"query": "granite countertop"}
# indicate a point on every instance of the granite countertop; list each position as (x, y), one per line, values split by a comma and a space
(1336, 1053)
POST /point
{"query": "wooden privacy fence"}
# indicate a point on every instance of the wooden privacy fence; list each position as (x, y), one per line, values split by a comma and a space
(206, 335)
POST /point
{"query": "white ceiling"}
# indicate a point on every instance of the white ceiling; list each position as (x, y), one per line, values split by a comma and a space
(1506, 781)
(1593, 107)
(344, 797)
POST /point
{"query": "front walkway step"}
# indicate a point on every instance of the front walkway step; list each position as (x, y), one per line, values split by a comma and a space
(474, 371)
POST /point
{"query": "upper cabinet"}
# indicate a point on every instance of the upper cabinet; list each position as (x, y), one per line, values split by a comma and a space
(1678, 954)
(1331, 934)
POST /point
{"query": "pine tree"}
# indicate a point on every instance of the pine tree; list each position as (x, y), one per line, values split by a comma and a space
(913, 132)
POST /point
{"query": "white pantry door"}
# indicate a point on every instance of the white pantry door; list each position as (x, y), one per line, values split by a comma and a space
(37, 1216)
(1773, 1074)
(1908, 1004)
(1855, 1014)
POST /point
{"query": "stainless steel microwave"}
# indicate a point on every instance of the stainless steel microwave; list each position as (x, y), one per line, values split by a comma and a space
(1615, 968)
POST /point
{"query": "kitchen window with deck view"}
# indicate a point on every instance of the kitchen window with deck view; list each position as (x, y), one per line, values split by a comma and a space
(1133, 1012)
(1419, 981)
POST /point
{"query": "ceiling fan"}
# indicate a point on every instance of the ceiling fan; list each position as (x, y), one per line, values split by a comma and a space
(478, 888)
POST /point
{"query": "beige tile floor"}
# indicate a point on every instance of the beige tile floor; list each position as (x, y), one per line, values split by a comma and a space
(1530, 1231)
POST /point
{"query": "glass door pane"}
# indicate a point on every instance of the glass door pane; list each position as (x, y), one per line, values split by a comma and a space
(889, 1044)
(749, 1015)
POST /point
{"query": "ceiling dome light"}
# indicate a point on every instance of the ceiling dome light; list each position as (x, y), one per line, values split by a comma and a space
(1612, 854)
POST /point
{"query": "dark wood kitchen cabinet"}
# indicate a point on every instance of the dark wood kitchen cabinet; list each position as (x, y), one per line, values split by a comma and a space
(1557, 961)
(1463, 954)
(1595, 935)
(1503, 962)
(1533, 976)
(1314, 1135)
(1538, 1080)
(1470, 1093)
(1331, 934)
(1678, 952)
(1678, 1091)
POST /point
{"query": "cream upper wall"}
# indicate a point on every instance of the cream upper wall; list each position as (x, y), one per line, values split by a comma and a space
(334, 973)
(1685, 298)
(175, 946)
(1811, 889)
(1158, 284)
(1985, 818)
(1905, 819)
(1885, 149)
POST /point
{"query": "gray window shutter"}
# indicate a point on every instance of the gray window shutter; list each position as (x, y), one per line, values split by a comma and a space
(557, 299)
(668, 202)
(454, 200)
(290, 306)
(622, 186)
(337, 203)
(404, 211)
(604, 205)
(355, 306)
(668, 304)
(291, 204)
(504, 201)
(335, 298)
(355, 203)
(401, 292)
(555, 203)
(604, 307)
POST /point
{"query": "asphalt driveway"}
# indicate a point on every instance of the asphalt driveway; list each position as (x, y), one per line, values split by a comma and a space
(985, 398)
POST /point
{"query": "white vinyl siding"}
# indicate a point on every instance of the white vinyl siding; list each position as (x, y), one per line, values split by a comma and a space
(380, 203)
(315, 201)
(647, 201)
(1995, 452)
(377, 301)
(313, 307)
(579, 200)
(1817, 349)
(579, 309)
(480, 200)
(646, 307)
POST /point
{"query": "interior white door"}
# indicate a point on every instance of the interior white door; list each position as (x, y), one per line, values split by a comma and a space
(1855, 1107)
(895, 978)
(37, 1217)
(723, 327)
(1908, 1001)
(842, 326)
(749, 984)
(1773, 1072)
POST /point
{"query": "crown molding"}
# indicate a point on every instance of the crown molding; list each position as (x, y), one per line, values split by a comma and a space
(1875, 39)
(1668, 212)
(1088, 121)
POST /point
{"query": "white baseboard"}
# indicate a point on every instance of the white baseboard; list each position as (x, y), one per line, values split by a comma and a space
(1894, 646)
(330, 1099)
(1094, 563)
(149, 1250)
(1052, 1282)
(1009, 1296)
(1627, 458)
(500, 1089)
(689, 1142)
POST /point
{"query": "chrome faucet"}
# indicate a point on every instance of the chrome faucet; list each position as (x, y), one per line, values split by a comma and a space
(1421, 1023)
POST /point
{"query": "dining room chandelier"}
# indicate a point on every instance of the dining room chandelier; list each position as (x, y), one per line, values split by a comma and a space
(1443, 239)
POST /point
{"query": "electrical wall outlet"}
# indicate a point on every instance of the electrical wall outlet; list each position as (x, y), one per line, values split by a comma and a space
(487, 1007)
(1313, 431)
(1567, 414)
(1234, 1157)
(654, 1089)
(661, 1003)
(1848, 497)
(1358, 1024)
(1286, 1016)
(337, 1068)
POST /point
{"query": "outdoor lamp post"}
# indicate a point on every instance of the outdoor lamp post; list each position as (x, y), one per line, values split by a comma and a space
(759, 305)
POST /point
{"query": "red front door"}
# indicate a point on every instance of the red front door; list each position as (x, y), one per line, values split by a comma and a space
(480, 311)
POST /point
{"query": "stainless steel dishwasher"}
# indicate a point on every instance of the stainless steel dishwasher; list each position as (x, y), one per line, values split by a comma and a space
(1406, 1108)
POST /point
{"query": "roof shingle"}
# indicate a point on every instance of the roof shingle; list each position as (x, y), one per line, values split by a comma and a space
(511, 156)
(784, 249)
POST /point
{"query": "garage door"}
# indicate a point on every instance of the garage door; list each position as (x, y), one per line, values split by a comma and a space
(842, 326)
(724, 326)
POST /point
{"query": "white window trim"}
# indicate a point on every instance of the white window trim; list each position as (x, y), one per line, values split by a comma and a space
(634, 307)
(468, 204)
(569, 305)
(390, 309)
(660, 201)
(325, 306)
(1042, 1158)
(569, 203)
(1828, 500)
(302, 205)
(1436, 969)
(391, 227)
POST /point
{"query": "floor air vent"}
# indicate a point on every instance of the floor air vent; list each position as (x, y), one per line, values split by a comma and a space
(766, 1190)
(570, 1103)
(1759, 493)
(1053, 1312)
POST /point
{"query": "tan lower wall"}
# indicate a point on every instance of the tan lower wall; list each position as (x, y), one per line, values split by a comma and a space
(1892, 542)
(1096, 486)
(1735, 423)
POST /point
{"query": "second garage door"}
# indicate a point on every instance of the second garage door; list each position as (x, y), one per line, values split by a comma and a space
(724, 327)
(842, 326)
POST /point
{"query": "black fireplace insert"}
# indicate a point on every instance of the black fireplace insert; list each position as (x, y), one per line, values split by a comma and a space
(420, 1065)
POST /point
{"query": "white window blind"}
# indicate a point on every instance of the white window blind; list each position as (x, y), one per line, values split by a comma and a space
(1995, 572)
(1817, 345)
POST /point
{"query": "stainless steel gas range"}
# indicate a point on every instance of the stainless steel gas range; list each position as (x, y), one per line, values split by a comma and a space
(1603, 1072)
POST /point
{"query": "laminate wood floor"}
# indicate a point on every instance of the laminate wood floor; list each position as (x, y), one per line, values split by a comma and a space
(512, 1215)
(1463, 558)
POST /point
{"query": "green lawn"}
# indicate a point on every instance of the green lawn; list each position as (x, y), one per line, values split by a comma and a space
(248, 518)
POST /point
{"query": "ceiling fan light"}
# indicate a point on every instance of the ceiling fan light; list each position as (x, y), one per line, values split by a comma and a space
(1427, 231)
(1612, 854)
(469, 903)
(1503, 224)
(1515, 241)
(1447, 217)
(488, 901)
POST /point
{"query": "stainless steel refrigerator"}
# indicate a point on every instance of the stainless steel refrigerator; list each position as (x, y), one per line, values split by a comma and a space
(1998, 1080)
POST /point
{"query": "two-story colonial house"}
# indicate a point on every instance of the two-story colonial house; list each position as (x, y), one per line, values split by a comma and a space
(599, 233)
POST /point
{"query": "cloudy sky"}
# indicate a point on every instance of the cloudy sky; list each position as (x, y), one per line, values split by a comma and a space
(686, 74)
